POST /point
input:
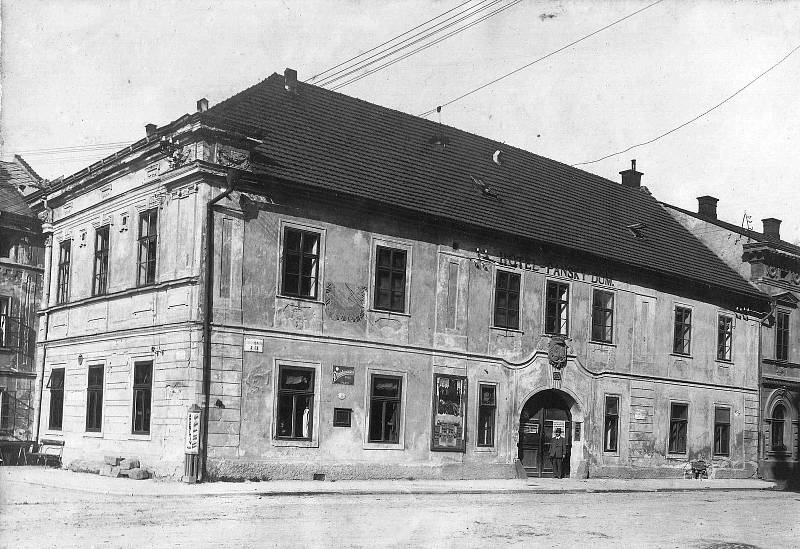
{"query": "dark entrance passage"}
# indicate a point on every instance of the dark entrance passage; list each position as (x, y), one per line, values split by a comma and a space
(536, 429)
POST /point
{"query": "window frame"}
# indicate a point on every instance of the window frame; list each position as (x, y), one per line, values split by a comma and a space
(60, 390)
(727, 432)
(612, 310)
(370, 375)
(101, 255)
(142, 387)
(63, 271)
(545, 325)
(315, 421)
(721, 355)
(687, 341)
(5, 305)
(281, 282)
(397, 244)
(392, 272)
(479, 407)
(785, 446)
(95, 427)
(294, 393)
(685, 422)
(606, 416)
(507, 291)
(782, 335)
(144, 242)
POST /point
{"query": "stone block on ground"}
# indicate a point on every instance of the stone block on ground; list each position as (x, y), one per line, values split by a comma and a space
(109, 471)
(138, 474)
(129, 464)
(112, 460)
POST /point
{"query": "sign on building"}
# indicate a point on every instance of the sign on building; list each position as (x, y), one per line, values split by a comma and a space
(344, 375)
(449, 413)
(193, 432)
(254, 345)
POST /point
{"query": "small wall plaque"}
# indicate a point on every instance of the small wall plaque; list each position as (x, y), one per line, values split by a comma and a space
(254, 345)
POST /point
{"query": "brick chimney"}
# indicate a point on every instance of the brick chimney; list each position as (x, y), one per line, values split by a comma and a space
(707, 206)
(150, 129)
(202, 105)
(631, 178)
(772, 228)
(290, 80)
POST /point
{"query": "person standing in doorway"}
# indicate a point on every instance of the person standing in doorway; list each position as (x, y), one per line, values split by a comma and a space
(558, 449)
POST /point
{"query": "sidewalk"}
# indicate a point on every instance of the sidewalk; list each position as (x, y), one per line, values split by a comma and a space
(86, 482)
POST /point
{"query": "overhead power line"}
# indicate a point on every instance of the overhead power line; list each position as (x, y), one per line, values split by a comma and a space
(72, 149)
(395, 38)
(410, 41)
(428, 45)
(698, 117)
(515, 71)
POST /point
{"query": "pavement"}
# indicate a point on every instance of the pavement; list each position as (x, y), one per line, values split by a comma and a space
(91, 483)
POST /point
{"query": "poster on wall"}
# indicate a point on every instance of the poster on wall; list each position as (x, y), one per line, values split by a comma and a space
(449, 413)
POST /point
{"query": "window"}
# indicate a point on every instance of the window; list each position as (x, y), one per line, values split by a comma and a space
(148, 246)
(611, 430)
(295, 403)
(682, 339)
(94, 399)
(142, 393)
(782, 336)
(724, 338)
(342, 417)
(486, 413)
(56, 386)
(5, 312)
(556, 308)
(300, 263)
(384, 409)
(390, 279)
(506, 300)
(722, 431)
(678, 420)
(8, 402)
(603, 316)
(64, 257)
(6, 245)
(101, 246)
(778, 423)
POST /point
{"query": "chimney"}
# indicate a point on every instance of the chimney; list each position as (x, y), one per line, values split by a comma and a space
(631, 178)
(290, 80)
(772, 229)
(707, 206)
(150, 129)
(202, 105)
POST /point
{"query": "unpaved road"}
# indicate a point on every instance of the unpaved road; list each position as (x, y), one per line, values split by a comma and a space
(33, 516)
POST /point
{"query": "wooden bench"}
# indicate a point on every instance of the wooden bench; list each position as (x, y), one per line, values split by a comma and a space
(48, 452)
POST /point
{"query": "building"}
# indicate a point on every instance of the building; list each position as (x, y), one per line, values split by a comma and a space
(21, 269)
(773, 266)
(347, 291)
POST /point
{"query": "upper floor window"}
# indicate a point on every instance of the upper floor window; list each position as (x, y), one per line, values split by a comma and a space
(101, 247)
(6, 245)
(300, 263)
(5, 312)
(295, 414)
(556, 319)
(724, 337)
(682, 335)
(603, 316)
(148, 247)
(390, 279)
(506, 300)
(782, 336)
(64, 258)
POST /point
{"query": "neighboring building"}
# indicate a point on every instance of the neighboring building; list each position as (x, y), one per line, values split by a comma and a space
(773, 266)
(21, 253)
(385, 297)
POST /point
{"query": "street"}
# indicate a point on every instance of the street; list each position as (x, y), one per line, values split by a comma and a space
(36, 516)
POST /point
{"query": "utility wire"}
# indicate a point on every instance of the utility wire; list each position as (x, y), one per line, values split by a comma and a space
(75, 148)
(316, 76)
(503, 77)
(699, 116)
(426, 46)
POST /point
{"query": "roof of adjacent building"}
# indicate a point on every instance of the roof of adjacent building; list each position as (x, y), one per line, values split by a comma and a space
(13, 174)
(331, 141)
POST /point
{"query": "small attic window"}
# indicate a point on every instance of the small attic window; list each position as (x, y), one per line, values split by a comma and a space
(636, 229)
(498, 157)
(439, 140)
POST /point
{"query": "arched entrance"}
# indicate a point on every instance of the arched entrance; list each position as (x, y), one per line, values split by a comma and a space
(536, 422)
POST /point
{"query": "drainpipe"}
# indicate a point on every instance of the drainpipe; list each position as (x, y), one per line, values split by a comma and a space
(231, 177)
(48, 253)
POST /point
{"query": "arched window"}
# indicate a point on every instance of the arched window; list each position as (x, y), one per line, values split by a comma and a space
(778, 420)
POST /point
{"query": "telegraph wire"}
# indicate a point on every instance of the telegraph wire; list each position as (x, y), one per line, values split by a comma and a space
(396, 49)
(699, 116)
(71, 149)
(395, 38)
(498, 79)
(426, 46)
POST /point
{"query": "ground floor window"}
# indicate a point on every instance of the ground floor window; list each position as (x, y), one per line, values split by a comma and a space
(384, 409)
(295, 403)
(142, 397)
(778, 443)
(94, 399)
(678, 421)
(56, 386)
(722, 431)
(487, 405)
(8, 401)
(611, 429)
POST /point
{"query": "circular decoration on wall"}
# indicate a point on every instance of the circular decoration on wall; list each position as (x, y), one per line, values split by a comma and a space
(772, 272)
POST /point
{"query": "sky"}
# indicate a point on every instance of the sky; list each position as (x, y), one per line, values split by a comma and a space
(77, 73)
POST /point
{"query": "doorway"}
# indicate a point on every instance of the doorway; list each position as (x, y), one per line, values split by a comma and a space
(536, 424)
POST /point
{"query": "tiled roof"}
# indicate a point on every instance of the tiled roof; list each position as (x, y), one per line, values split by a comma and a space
(331, 141)
(13, 174)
